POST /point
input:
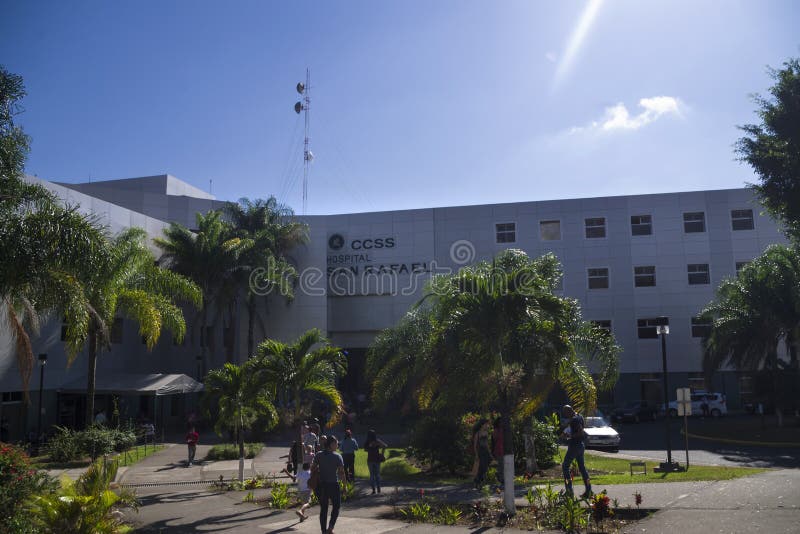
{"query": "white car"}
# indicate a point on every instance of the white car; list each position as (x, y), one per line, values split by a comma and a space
(715, 403)
(600, 435)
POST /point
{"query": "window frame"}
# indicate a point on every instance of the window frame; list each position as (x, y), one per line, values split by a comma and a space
(497, 232)
(685, 222)
(640, 224)
(586, 227)
(695, 323)
(589, 278)
(739, 265)
(637, 275)
(707, 272)
(560, 232)
(657, 322)
(752, 220)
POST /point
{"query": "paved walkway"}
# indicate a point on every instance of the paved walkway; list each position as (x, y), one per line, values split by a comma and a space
(766, 502)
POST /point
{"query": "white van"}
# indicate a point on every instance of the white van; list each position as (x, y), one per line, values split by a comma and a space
(714, 402)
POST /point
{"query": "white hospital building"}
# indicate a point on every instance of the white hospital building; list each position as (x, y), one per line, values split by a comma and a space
(627, 259)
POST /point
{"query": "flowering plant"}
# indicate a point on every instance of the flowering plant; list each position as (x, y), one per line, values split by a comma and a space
(18, 482)
(601, 507)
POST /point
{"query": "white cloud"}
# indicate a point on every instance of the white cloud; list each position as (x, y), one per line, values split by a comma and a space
(619, 118)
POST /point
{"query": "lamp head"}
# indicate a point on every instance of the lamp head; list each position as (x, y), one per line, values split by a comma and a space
(43, 359)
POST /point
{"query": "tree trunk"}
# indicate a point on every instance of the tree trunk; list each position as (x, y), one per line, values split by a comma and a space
(90, 383)
(530, 452)
(251, 323)
(240, 438)
(203, 342)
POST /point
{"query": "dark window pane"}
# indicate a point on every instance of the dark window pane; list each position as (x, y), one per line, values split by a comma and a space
(641, 225)
(644, 276)
(694, 222)
(742, 219)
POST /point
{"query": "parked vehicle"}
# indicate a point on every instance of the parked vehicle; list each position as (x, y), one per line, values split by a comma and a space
(635, 411)
(599, 434)
(715, 404)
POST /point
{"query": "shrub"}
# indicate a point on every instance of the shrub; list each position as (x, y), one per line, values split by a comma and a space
(97, 441)
(279, 496)
(123, 439)
(545, 443)
(230, 451)
(18, 483)
(438, 441)
(64, 446)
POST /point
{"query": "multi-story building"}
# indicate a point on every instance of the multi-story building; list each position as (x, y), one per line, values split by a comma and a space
(627, 259)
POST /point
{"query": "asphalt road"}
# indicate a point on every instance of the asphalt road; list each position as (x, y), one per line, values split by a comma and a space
(648, 440)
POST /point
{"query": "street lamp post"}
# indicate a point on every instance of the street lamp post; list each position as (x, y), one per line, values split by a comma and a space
(42, 362)
(663, 329)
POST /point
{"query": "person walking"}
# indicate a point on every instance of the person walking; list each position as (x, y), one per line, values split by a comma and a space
(192, 437)
(375, 456)
(303, 492)
(575, 449)
(480, 446)
(331, 471)
(349, 448)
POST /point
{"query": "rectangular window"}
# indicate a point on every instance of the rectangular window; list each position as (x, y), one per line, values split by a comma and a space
(116, 330)
(698, 274)
(742, 219)
(700, 327)
(694, 222)
(644, 276)
(595, 227)
(641, 225)
(598, 278)
(208, 339)
(227, 337)
(740, 265)
(506, 232)
(605, 324)
(12, 397)
(646, 328)
(550, 230)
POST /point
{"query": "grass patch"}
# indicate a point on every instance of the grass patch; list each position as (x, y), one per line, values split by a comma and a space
(396, 467)
(608, 470)
(230, 451)
(140, 452)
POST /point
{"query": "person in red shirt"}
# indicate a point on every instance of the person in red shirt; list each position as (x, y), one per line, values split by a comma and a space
(191, 440)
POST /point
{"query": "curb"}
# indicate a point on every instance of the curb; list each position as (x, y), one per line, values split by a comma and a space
(787, 444)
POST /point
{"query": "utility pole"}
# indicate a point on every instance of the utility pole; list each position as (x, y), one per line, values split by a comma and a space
(304, 105)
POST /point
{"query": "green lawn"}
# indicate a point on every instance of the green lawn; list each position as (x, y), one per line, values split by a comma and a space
(603, 470)
(607, 470)
(140, 452)
(230, 451)
(129, 457)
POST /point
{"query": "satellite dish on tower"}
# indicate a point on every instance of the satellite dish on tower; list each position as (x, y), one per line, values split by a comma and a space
(300, 87)
(298, 107)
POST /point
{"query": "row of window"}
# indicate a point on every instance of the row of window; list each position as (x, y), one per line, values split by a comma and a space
(641, 225)
(645, 275)
(648, 328)
(116, 330)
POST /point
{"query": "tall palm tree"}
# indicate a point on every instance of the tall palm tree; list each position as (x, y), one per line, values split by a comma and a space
(299, 371)
(210, 257)
(237, 400)
(755, 315)
(270, 226)
(495, 328)
(130, 283)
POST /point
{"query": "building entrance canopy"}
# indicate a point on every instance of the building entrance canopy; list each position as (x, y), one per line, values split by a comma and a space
(136, 384)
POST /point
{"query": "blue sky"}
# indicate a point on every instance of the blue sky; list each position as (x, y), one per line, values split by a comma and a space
(414, 103)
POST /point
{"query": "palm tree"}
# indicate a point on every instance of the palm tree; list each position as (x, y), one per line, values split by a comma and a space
(495, 328)
(131, 283)
(298, 371)
(211, 258)
(270, 226)
(238, 399)
(755, 315)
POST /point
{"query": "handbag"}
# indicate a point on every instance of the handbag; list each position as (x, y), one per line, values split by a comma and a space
(381, 457)
(313, 480)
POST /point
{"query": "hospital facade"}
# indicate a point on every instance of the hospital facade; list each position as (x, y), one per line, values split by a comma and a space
(628, 260)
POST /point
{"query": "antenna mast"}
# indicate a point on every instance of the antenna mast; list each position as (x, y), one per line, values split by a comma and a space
(305, 106)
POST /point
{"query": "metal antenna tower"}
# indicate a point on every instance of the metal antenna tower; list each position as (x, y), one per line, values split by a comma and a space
(304, 106)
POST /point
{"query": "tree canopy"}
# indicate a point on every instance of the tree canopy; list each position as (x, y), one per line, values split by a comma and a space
(772, 148)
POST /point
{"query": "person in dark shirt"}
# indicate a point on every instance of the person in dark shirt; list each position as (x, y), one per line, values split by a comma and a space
(331, 472)
(575, 448)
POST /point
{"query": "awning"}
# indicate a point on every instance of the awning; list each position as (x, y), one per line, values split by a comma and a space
(132, 384)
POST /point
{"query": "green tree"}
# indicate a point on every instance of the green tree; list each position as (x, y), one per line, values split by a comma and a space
(301, 371)
(273, 232)
(46, 247)
(756, 315)
(495, 329)
(772, 148)
(236, 398)
(130, 283)
(210, 256)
